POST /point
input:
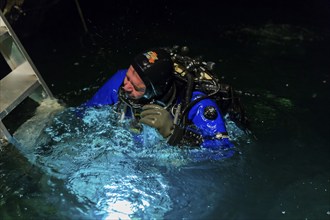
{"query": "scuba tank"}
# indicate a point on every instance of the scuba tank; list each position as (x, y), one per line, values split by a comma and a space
(194, 74)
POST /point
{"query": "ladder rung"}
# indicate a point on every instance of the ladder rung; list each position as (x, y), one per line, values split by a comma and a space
(4, 34)
(15, 87)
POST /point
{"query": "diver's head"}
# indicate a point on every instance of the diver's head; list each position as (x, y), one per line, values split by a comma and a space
(133, 86)
(155, 67)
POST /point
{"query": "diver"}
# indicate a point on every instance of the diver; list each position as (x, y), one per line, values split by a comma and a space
(175, 94)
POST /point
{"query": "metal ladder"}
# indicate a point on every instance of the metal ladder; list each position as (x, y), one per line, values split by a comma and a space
(23, 81)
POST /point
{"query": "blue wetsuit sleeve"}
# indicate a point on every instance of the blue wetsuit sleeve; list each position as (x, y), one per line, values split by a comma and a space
(208, 128)
(108, 93)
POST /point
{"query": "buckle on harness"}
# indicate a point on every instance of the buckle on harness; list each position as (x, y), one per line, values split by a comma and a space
(220, 135)
(193, 138)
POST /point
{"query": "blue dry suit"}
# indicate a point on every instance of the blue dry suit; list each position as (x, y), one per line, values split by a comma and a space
(207, 128)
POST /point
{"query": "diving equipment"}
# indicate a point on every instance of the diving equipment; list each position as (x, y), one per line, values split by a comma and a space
(194, 74)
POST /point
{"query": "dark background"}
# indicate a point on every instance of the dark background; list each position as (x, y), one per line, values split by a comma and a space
(53, 34)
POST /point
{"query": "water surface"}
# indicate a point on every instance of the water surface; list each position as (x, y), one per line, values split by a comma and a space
(91, 168)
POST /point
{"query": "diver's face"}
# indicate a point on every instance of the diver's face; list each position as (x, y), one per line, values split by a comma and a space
(133, 84)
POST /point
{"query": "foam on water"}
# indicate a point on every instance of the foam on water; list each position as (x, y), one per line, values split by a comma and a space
(115, 171)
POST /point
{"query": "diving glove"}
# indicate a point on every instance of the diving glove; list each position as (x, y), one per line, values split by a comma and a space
(157, 117)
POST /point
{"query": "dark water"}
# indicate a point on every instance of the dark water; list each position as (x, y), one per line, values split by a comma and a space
(282, 62)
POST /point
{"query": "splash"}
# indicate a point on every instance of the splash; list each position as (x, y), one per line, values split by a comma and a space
(108, 166)
(113, 170)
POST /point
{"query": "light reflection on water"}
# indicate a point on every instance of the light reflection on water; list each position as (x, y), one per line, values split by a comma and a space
(119, 174)
(283, 175)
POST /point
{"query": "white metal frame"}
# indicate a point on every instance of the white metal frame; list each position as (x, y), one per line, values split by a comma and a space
(24, 79)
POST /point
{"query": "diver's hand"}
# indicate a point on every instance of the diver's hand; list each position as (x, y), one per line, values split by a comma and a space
(157, 117)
